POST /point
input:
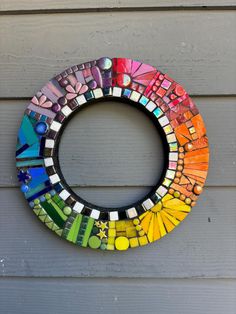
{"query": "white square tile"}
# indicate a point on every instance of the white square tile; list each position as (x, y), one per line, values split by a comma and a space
(170, 174)
(98, 93)
(171, 138)
(81, 100)
(117, 92)
(148, 204)
(173, 156)
(66, 111)
(131, 212)
(151, 106)
(48, 162)
(163, 121)
(95, 214)
(78, 207)
(135, 96)
(55, 126)
(113, 216)
(161, 190)
(64, 194)
(54, 178)
(49, 143)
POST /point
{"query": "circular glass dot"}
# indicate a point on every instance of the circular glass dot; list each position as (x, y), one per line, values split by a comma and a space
(104, 63)
(41, 128)
(24, 188)
(67, 210)
(123, 80)
(94, 242)
(121, 243)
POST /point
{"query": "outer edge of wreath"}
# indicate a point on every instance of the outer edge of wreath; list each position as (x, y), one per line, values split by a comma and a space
(88, 225)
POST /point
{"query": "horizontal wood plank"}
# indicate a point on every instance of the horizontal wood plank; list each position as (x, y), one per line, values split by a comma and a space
(113, 144)
(59, 296)
(32, 5)
(202, 246)
(196, 48)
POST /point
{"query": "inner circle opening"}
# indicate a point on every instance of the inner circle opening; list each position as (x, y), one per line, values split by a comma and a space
(111, 154)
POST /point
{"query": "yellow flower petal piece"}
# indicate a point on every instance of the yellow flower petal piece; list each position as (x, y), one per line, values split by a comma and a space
(176, 213)
(161, 225)
(168, 225)
(171, 218)
(157, 207)
(146, 221)
(150, 230)
(156, 230)
(176, 204)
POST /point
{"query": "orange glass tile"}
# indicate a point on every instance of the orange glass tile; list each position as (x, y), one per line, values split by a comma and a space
(199, 125)
(180, 189)
(198, 173)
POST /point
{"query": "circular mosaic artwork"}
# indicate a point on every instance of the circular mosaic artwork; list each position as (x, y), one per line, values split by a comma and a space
(184, 137)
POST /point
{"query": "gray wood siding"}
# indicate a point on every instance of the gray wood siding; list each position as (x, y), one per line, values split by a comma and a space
(109, 153)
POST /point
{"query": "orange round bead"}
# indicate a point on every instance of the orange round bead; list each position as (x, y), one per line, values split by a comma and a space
(188, 147)
(197, 189)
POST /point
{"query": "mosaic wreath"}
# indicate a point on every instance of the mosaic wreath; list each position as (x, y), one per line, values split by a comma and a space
(86, 224)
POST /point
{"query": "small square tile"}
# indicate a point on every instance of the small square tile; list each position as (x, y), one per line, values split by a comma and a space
(171, 138)
(55, 126)
(54, 178)
(148, 204)
(81, 100)
(117, 91)
(151, 106)
(161, 190)
(143, 100)
(170, 174)
(135, 96)
(49, 143)
(163, 121)
(98, 93)
(95, 214)
(66, 111)
(158, 112)
(173, 156)
(78, 207)
(48, 162)
(64, 194)
(131, 212)
(114, 215)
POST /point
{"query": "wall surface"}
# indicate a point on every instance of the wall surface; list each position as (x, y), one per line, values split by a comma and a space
(111, 154)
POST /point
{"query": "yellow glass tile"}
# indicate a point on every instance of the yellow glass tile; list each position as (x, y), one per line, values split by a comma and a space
(156, 230)
(167, 197)
(150, 229)
(131, 232)
(176, 204)
(171, 218)
(143, 240)
(168, 225)
(110, 247)
(133, 242)
(112, 224)
(176, 213)
(146, 221)
(129, 223)
(120, 225)
(161, 225)
(111, 232)
(120, 233)
(111, 240)
(157, 207)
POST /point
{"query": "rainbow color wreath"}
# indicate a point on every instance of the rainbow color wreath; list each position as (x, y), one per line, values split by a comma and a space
(184, 137)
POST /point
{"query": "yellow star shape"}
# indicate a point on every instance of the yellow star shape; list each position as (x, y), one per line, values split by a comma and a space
(103, 225)
(97, 224)
(101, 234)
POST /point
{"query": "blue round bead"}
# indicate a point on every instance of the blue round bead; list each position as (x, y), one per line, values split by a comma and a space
(41, 128)
(24, 188)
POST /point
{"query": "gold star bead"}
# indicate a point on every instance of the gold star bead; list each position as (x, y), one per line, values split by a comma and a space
(101, 234)
(103, 225)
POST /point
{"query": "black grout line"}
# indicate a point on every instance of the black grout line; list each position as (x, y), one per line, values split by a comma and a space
(119, 9)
